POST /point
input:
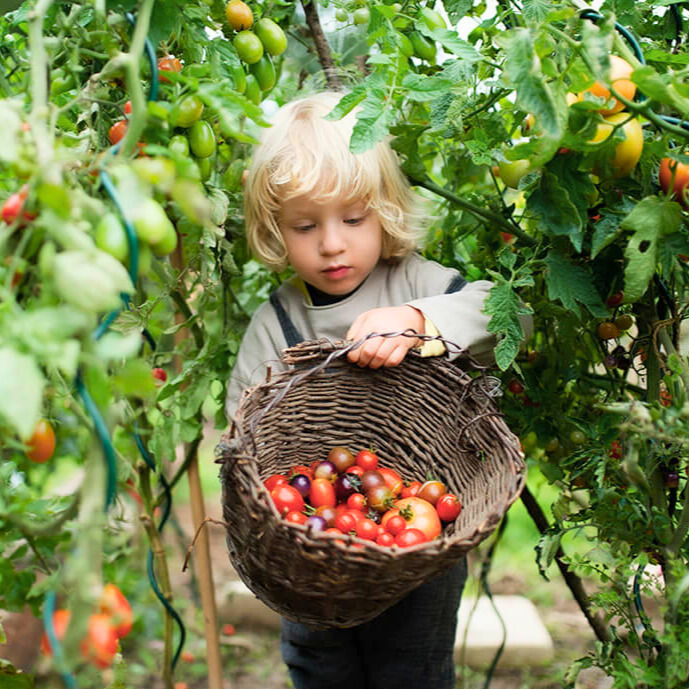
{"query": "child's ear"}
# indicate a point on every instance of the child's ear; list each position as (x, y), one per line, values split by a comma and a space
(245, 174)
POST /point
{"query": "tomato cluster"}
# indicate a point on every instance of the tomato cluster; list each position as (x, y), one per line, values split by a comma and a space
(112, 621)
(349, 494)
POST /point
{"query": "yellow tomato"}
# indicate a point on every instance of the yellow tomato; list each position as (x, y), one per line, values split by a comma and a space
(627, 152)
(620, 71)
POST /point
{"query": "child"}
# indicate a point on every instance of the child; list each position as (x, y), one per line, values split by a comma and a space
(349, 225)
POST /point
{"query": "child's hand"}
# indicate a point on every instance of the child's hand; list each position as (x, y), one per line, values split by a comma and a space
(384, 351)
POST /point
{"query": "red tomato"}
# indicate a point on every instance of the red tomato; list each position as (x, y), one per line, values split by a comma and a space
(367, 460)
(12, 209)
(395, 524)
(41, 444)
(322, 493)
(287, 499)
(515, 387)
(409, 537)
(128, 108)
(99, 647)
(228, 629)
(333, 530)
(356, 501)
(168, 64)
(356, 469)
(116, 606)
(60, 622)
(357, 515)
(273, 481)
(367, 529)
(419, 514)
(412, 490)
(159, 374)
(301, 469)
(448, 507)
(345, 522)
(187, 656)
(295, 517)
(392, 480)
(117, 131)
(385, 539)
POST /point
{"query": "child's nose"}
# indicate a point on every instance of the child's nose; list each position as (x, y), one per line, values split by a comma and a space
(332, 239)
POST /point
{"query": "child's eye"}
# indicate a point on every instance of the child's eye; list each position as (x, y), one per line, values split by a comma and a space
(303, 228)
(354, 221)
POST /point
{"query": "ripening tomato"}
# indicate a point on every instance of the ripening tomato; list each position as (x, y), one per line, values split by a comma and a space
(412, 490)
(342, 458)
(117, 131)
(410, 537)
(432, 490)
(418, 514)
(608, 330)
(392, 480)
(169, 63)
(322, 493)
(159, 374)
(515, 387)
(99, 647)
(380, 498)
(620, 71)
(272, 481)
(239, 15)
(367, 529)
(674, 176)
(287, 499)
(60, 622)
(128, 108)
(116, 607)
(627, 152)
(41, 444)
(448, 507)
(367, 460)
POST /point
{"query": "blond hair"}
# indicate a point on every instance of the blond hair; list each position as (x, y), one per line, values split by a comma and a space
(303, 154)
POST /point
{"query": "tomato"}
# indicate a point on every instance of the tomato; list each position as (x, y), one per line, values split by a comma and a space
(577, 437)
(239, 76)
(151, 222)
(201, 139)
(620, 71)
(628, 152)
(418, 513)
(512, 171)
(356, 514)
(615, 451)
(295, 517)
(392, 480)
(361, 15)
(13, 208)
(60, 622)
(113, 604)
(395, 524)
(412, 490)
(624, 322)
(167, 244)
(322, 493)
(179, 145)
(271, 35)
(253, 90)
(128, 108)
(272, 481)
(423, 47)
(431, 18)
(187, 656)
(432, 490)
(356, 470)
(608, 330)
(239, 15)
(385, 539)
(367, 529)
(186, 112)
(159, 374)
(169, 63)
(515, 387)
(264, 71)
(328, 513)
(345, 522)
(301, 469)
(615, 299)
(117, 131)
(341, 15)
(325, 469)
(341, 458)
(99, 647)
(205, 167)
(367, 460)
(356, 501)
(448, 507)
(670, 169)
(404, 44)
(380, 498)
(286, 499)
(248, 46)
(228, 629)
(41, 444)
(410, 537)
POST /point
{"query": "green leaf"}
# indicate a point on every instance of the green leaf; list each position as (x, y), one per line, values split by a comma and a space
(605, 231)
(348, 103)
(134, 379)
(11, 679)
(572, 285)
(546, 548)
(373, 122)
(422, 88)
(456, 9)
(452, 43)
(505, 307)
(21, 391)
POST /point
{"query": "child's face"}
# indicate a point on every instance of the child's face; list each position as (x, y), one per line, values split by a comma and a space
(333, 245)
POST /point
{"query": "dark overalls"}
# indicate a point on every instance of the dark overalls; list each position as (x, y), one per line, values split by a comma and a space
(408, 646)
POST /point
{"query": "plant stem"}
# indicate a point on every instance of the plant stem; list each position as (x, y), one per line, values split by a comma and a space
(322, 48)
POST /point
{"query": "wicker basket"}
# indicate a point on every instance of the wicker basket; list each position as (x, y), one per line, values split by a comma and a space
(424, 415)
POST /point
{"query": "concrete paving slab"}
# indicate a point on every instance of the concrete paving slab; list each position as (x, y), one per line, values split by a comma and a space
(479, 633)
(238, 605)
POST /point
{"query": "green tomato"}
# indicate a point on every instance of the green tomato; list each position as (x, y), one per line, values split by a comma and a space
(423, 47)
(60, 82)
(167, 244)
(249, 46)
(361, 16)
(253, 90)
(186, 112)
(271, 35)
(232, 177)
(577, 437)
(206, 166)
(341, 15)
(431, 18)
(111, 237)
(264, 71)
(511, 171)
(145, 260)
(239, 76)
(151, 222)
(202, 139)
(179, 145)
(404, 44)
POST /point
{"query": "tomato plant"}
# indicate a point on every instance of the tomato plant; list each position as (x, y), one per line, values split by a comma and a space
(41, 444)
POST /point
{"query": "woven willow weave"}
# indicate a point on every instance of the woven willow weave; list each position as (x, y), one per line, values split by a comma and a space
(425, 415)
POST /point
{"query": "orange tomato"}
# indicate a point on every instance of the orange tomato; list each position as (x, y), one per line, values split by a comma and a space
(675, 176)
(620, 71)
(42, 443)
(116, 606)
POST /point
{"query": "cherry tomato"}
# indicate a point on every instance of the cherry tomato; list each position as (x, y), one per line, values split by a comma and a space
(577, 437)
(624, 322)
(295, 517)
(423, 47)
(674, 176)
(301, 469)
(345, 522)
(395, 524)
(367, 460)
(179, 144)
(264, 71)
(13, 208)
(412, 490)
(385, 539)
(41, 444)
(512, 171)
(608, 330)
(151, 222)
(271, 35)
(515, 387)
(168, 63)
(322, 493)
(615, 299)
(99, 647)
(286, 499)
(371, 479)
(60, 622)
(448, 507)
(111, 237)
(418, 514)
(356, 470)
(228, 629)
(186, 112)
(114, 604)
(392, 480)
(361, 15)
(128, 108)
(410, 537)
(328, 513)
(431, 18)
(356, 501)
(302, 483)
(272, 481)
(117, 131)
(202, 139)
(159, 374)
(357, 515)
(248, 46)
(432, 490)
(380, 498)
(239, 15)
(341, 458)
(325, 469)
(367, 529)
(253, 90)
(341, 15)
(615, 451)
(239, 77)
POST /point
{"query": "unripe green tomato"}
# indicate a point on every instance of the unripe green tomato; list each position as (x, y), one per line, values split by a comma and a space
(423, 47)
(264, 71)
(151, 222)
(511, 171)
(111, 237)
(232, 177)
(253, 90)
(206, 166)
(168, 242)
(248, 46)
(271, 35)
(431, 18)
(577, 437)
(341, 15)
(361, 15)
(186, 112)
(60, 82)
(405, 45)
(239, 76)
(145, 260)
(202, 139)
(179, 144)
